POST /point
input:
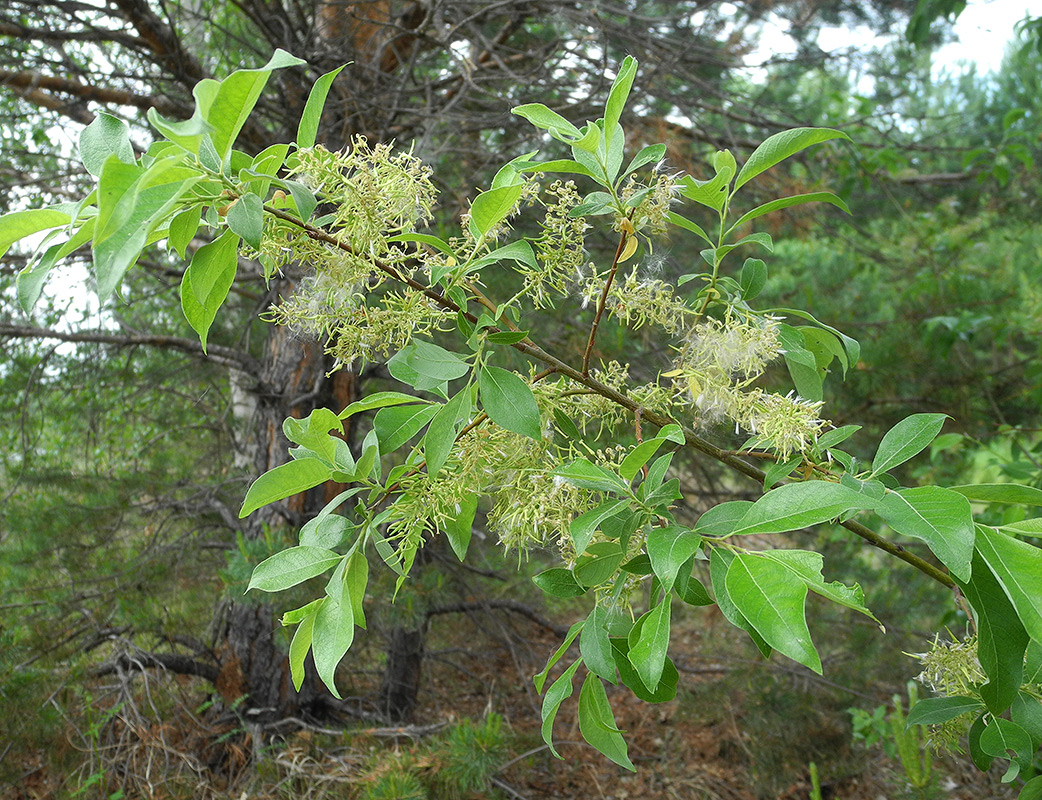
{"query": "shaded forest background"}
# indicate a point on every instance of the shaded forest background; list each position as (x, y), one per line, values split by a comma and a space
(131, 664)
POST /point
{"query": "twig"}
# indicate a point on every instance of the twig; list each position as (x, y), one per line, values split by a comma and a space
(506, 787)
(692, 440)
(623, 236)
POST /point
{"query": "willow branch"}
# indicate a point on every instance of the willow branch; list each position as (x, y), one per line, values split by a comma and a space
(691, 439)
(603, 301)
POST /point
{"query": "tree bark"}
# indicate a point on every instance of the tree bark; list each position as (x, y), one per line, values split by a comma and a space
(401, 679)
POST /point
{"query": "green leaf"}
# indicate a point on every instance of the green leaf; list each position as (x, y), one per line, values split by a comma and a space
(788, 202)
(425, 238)
(1025, 527)
(597, 723)
(907, 438)
(189, 133)
(31, 278)
(852, 348)
(1000, 493)
(837, 436)
(667, 685)
(299, 646)
(586, 475)
(559, 165)
(230, 106)
(642, 453)
(356, 578)
(711, 193)
(540, 679)
(558, 582)
(980, 759)
(1026, 711)
(141, 211)
(104, 137)
(651, 154)
(492, 207)
(669, 549)
(595, 647)
(803, 368)
(688, 225)
(753, 278)
(1016, 565)
(806, 565)
(1001, 638)
(431, 361)
(601, 561)
(648, 653)
(207, 281)
(774, 604)
(721, 519)
(775, 149)
(559, 691)
(798, 505)
(594, 203)
(1032, 790)
(378, 400)
(329, 531)
(1005, 739)
(690, 589)
(308, 128)
(246, 218)
(509, 402)
(303, 198)
(441, 435)
(779, 471)
(284, 481)
(542, 117)
(396, 425)
(290, 567)
(583, 527)
(935, 710)
(519, 252)
(619, 93)
(183, 228)
(940, 517)
(657, 473)
(460, 528)
(332, 637)
(719, 563)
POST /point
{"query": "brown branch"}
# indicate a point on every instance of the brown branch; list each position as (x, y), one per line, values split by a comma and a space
(692, 439)
(18, 31)
(937, 177)
(623, 236)
(25, 81)
(162, 41)
(172, 662)
(500, 605)
(216, 353)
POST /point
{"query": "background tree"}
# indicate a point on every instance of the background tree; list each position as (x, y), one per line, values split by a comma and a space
(467, 67)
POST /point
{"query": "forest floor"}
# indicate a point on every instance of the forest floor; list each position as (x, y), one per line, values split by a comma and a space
(740, 728)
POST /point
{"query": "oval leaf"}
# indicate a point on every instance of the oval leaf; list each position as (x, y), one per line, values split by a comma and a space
(284, 481)
(774, 604)
(290, 567)
(907, 438)
(509, 402)
(780, 146)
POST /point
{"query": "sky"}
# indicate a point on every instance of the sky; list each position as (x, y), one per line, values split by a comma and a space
(983, 29)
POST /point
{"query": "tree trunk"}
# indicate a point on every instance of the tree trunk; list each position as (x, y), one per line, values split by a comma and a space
(401, 679)
(252, 663)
